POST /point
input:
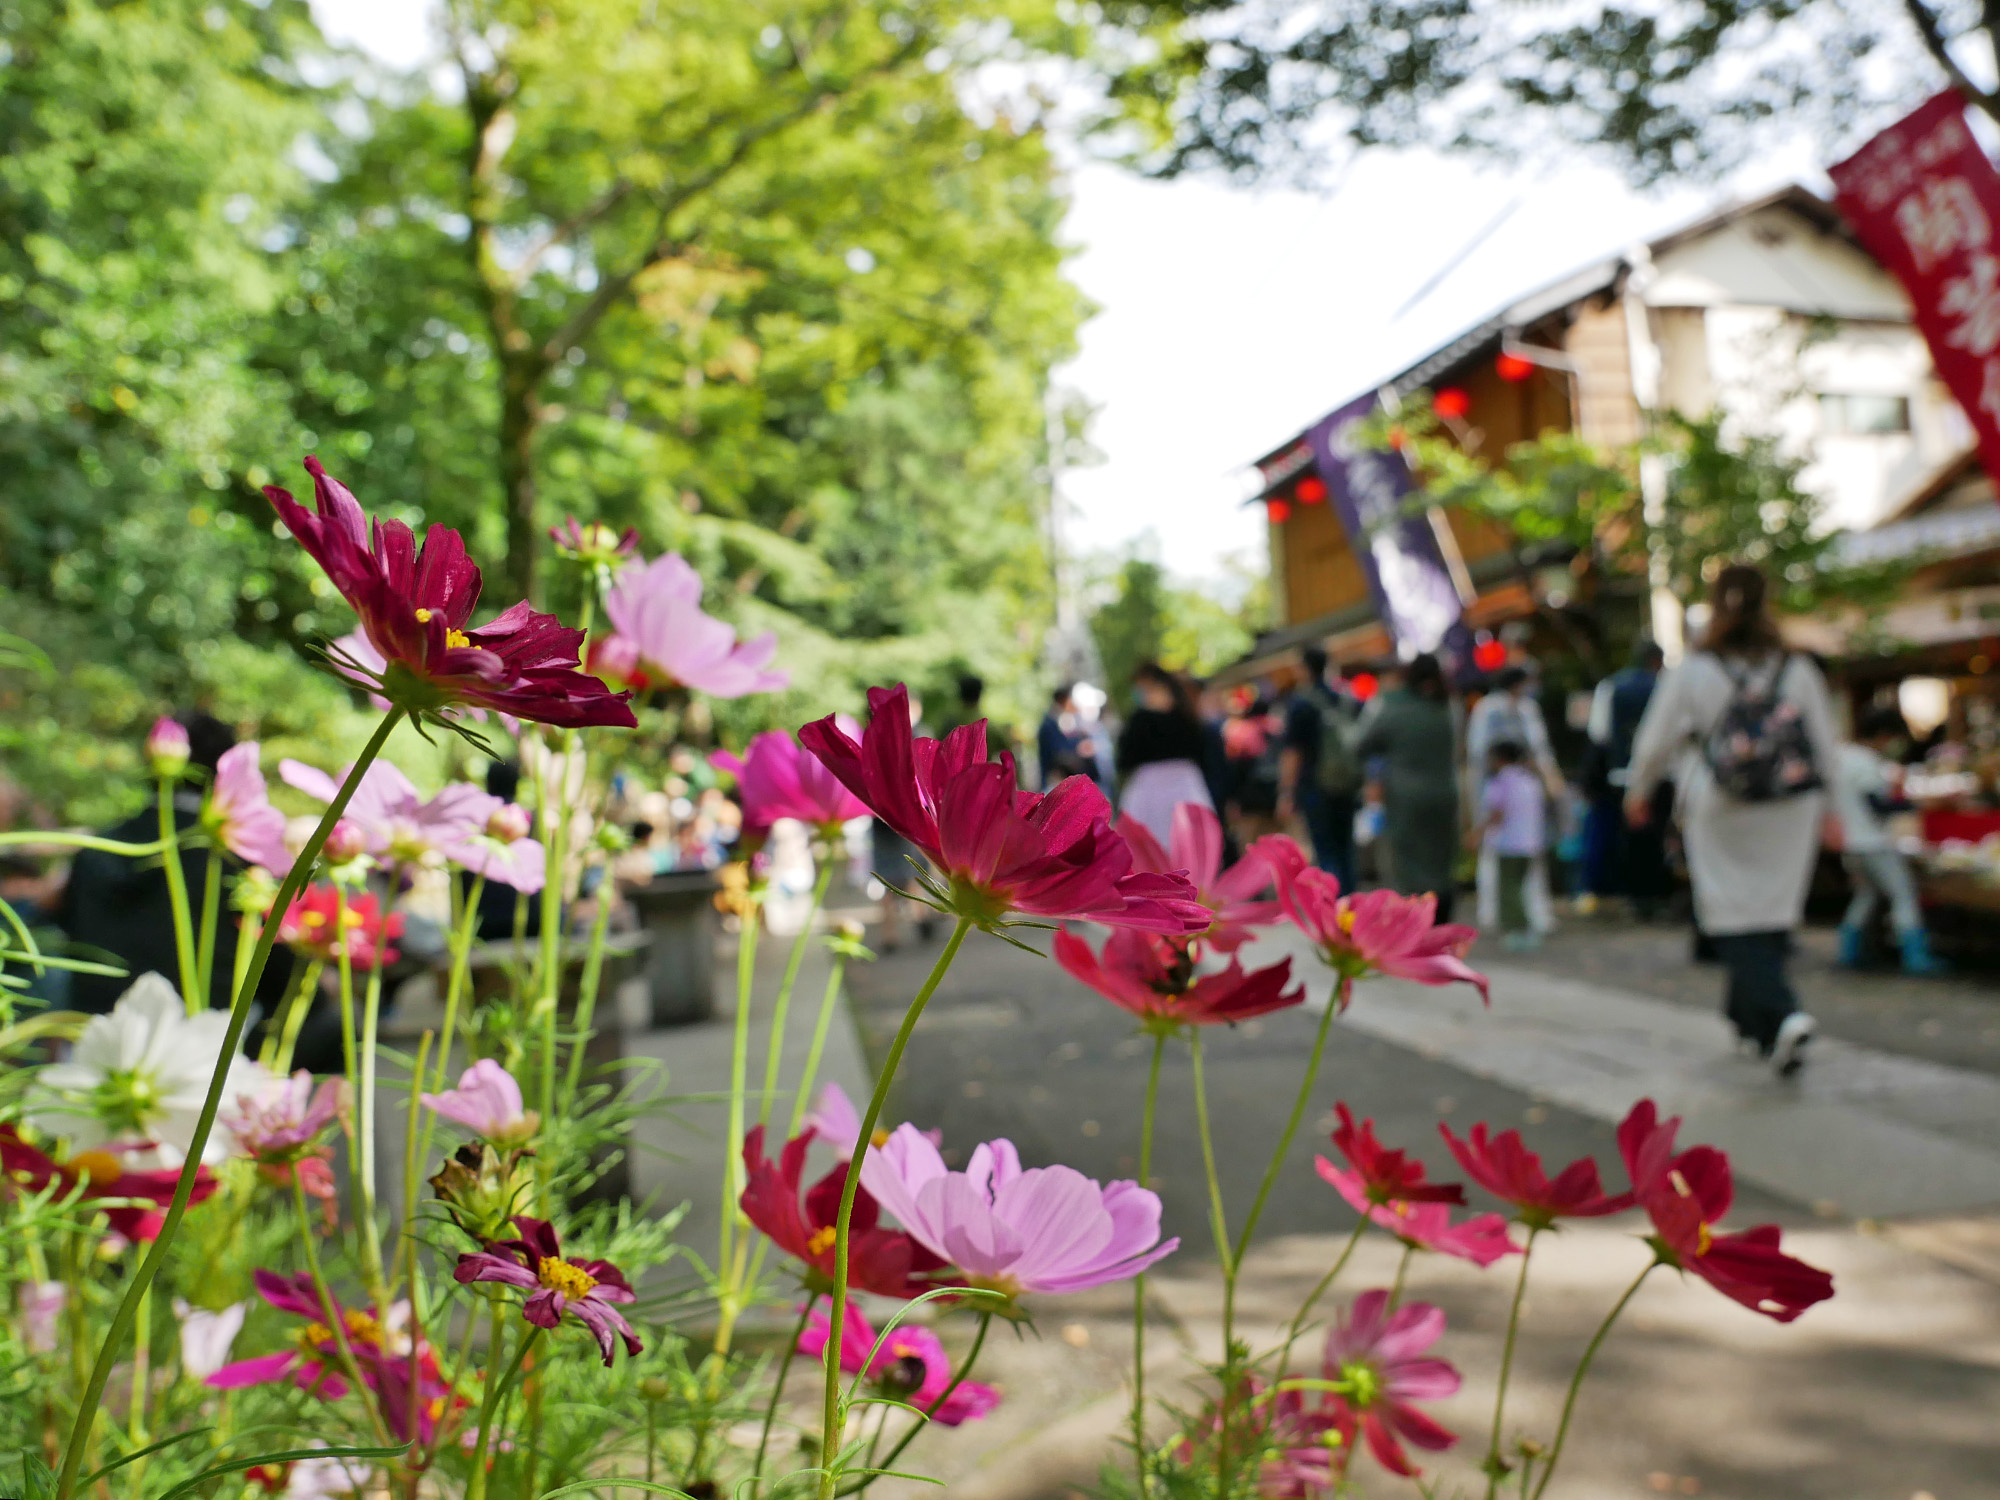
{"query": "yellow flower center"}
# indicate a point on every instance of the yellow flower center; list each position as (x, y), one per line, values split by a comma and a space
(561, 1276)
(822, 1240)
(98, 1168)
(457, 639)
(1345, 922)
(880, 1138)
(423, 617)
(313, 919)
(1703, 1238)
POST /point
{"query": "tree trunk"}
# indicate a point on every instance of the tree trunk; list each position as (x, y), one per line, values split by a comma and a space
(520, 420)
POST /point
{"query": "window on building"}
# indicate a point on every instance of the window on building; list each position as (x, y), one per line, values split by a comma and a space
(1846, 416)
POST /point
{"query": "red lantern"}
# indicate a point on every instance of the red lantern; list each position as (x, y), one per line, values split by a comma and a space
(1310, 490)
(1280, 511)
(1364, 685)
(1451, 404)
(1513, 369)
(1489, 655)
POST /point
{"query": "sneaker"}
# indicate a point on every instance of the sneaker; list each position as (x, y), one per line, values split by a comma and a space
(1788, 1052)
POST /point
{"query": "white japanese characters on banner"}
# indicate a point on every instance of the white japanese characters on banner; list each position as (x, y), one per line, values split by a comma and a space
(1925, 200)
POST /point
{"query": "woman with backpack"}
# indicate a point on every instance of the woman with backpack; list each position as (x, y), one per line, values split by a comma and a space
(1752, 805)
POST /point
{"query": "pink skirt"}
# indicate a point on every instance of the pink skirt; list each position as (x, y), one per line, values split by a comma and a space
(1151, 793)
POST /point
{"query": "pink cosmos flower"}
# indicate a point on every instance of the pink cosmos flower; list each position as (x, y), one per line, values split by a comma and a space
(1155, 979)
(503, 851)
(382, 1355)
(1042, 1229)
(1377, 1358)
(399, 824)
(487, 1102)
(323, 926)
(1231, 894)
(662, 639)
(910, 1366)
(1507, 1169)
(238, 814)
(288, 1117)
(416, 609)
(779, 780)
(1000, 850)
(836, 1121)
(1376, 932)
(42, 1303)
(595, 542)
(584, 1289)
(167, 747)
(1481, 1239)
(1387, 1176)
(206, 1336)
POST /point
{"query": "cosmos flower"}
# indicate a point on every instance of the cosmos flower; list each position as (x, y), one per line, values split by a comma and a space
(206, 1336)
(585, 1290)
(1015, 1230)
(238, 814)
(1686, 1195)
(133, 1200)
(661, 638)
(910, 1365)
(1232, 894)
(139, 1076)
(286, 1119)
(594, 543)
(1386, 1176)
(397, 823)
(1376, 1357)
(321, 925)
(487, 1102)
(887, 1262)
(1155, 978)
(416, 610)
(167, 747)
(1507, 1169)
(1000, 850)
(777, 779)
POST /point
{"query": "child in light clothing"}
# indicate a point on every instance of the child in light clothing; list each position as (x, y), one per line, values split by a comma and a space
(1866, 787)
(1514, 825)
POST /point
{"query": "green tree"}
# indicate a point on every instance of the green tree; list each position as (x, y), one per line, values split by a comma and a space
(1145, 615)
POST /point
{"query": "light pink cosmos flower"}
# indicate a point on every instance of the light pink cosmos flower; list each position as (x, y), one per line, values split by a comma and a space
(397, 822)
(1481, 1239)
(1377, 1357)
(777, 780)
(503, 851)
(287, 1117)
(1014, 1230)
(487, 1102)
(207, 1337)
(1376, 932)
(837, 1122)
(167, 747)
(1232, 894)
(662, 638)
(238, 814)
(42, 1303)
(910, 1366)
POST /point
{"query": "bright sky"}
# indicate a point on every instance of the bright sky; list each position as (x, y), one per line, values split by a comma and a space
(1231, 318)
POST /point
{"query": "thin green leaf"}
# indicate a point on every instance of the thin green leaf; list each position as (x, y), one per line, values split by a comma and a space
(138, 1453)
(290, 1455)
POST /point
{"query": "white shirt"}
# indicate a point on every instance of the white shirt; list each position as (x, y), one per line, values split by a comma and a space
(1859, 775)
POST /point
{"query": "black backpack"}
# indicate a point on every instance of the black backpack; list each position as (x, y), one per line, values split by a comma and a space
(1339, 772)
(1758, 750)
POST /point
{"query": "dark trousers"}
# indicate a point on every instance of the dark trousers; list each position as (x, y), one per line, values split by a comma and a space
(1330, 822)
(1759, 995)
(1514, 870)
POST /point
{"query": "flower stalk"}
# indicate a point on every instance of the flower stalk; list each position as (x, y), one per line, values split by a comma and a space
(726, 1266)
(1495, 1469)
(1139, 1282)
(1583, 1370)
(177, 901)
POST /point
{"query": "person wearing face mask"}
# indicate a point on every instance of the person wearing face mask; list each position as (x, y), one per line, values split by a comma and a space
(1161, 752)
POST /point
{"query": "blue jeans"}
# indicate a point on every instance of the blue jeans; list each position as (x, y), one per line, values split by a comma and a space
(1330, 822)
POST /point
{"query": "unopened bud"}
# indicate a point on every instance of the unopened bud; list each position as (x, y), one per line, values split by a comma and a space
(255, 893)
(345, 843)
(510, 821)
(653, 1388)
(612, 838)
(167, 747)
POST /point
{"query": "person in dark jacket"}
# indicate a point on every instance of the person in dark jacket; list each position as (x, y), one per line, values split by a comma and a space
(1411, 731)
(1061, 750)
(1619, 858)
(1161, 752)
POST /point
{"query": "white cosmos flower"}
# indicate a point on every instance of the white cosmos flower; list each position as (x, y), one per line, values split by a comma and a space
(139, 1076)
(206, 1337)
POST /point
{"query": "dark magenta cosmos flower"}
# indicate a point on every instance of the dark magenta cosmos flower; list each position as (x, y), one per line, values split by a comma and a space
(779, 780)
(1232, 894)
(1686, 1195)
(886, 1262)
(416, 609)
(1387, 1176)
(910, 1365)
(999, 849)
(1155, 978)
(584, 1289)
(1507, 1169)
(139, 1198)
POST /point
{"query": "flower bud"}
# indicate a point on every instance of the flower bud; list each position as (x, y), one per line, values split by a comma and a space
(510, 821)
(256, 891)
(483, 1190)
(653, 1388)
(345, 843)
(167, 748)
(612, 838)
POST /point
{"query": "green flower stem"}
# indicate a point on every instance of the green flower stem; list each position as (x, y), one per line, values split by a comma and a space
(1582, 1370)
(822, 1027)
(1219, 1225)
(349, 1366)
(281, 1045)
(454, 989)
(1402, 1271)
(1291, 1129)
(559, 816)
(586, 990)
(412, 1144)
(777, 1391)
(365, 1215)
(732, 1146)
(931, 1411)
(830, 1412)
(496, 1386)
(211, 904)
(81, 841)
(1494, 1468)
(781, 1009)
(142, 1373)
(177, 899)
(1139, 1281)
(1319, 1291)
(239, 1017)
(247, 933)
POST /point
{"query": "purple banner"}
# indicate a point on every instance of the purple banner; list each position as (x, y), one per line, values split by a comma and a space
(1406, 571)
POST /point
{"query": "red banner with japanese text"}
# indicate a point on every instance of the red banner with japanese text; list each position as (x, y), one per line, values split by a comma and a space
(1925, 201)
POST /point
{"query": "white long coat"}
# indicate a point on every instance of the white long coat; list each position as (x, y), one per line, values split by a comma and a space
(1750, 861)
